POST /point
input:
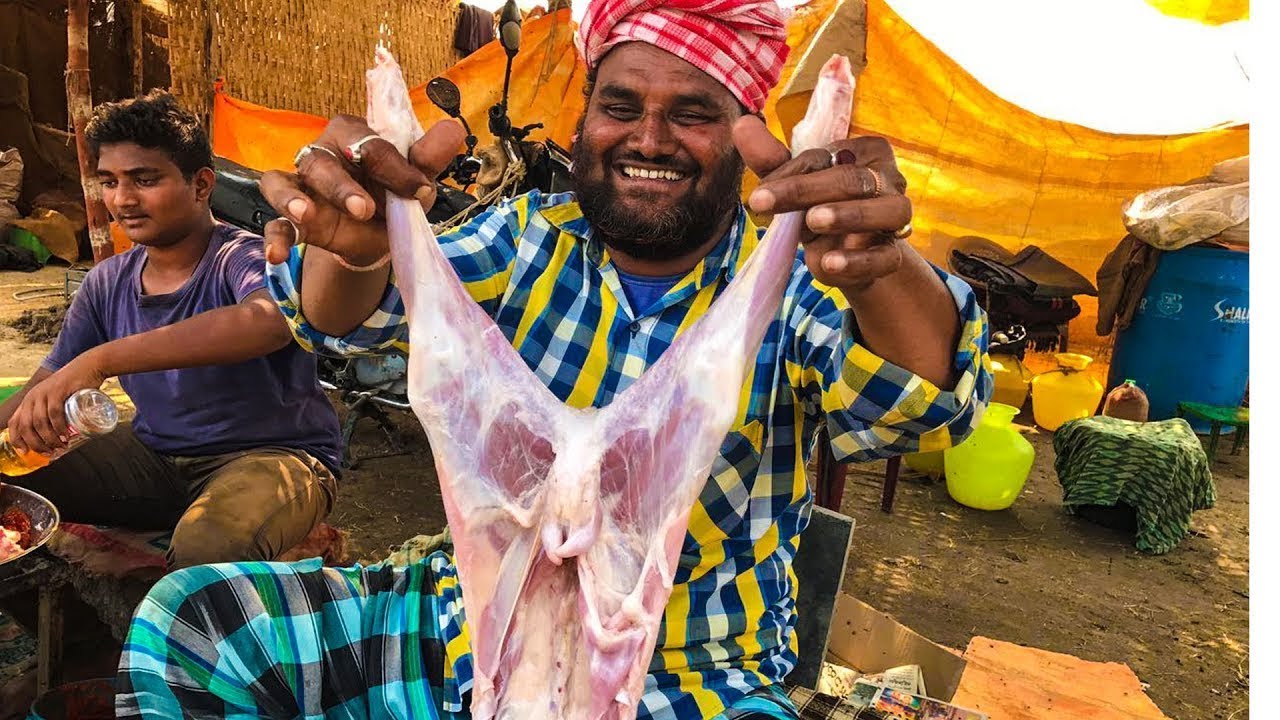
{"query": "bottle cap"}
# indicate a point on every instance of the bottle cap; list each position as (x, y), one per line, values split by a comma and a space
(91, 412)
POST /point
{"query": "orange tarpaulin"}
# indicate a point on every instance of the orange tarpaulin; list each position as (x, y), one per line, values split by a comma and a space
(259, 137)
(1209, 12)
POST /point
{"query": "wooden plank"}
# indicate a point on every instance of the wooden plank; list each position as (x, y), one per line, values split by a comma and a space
(49, 638)
(1012, 682)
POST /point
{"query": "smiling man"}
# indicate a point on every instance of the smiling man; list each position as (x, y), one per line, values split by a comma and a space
(591, 287)
(234, 444)
(668, 197)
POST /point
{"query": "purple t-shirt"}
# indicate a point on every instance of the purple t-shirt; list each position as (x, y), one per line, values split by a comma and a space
(271, 400)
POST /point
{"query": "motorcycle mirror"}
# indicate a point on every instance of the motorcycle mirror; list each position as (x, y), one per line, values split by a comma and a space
(445, 95)
(511, 38)
(509, 27)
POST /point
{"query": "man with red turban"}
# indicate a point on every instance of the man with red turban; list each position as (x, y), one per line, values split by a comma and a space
(590, 287)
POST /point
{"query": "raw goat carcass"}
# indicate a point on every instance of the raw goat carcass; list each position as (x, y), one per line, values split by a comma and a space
(10, 544)
(568, 523)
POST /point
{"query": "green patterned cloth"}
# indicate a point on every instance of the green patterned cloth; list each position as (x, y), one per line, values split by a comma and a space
(17, 651)
(1159, 469)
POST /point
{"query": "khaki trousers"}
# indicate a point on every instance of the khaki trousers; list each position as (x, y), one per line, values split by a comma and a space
(249, 505)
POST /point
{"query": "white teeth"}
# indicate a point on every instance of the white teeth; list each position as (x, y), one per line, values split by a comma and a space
(636, 172)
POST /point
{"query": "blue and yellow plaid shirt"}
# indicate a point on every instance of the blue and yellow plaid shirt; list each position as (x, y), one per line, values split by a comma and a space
(535, 267)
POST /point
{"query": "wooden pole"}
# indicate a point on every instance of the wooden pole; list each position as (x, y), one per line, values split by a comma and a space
(137, 41)
(80, 108)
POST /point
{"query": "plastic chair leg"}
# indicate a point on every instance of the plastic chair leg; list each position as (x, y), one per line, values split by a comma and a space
(1242, 432)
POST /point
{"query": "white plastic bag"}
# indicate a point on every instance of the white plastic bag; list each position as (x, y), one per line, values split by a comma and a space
(1235, 235)
(1231, 172)
(1174, 217)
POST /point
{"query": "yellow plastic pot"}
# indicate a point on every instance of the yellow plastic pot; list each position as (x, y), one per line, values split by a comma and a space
(1065, 394)
(928, 463)
(989, 469)
(1012, 380)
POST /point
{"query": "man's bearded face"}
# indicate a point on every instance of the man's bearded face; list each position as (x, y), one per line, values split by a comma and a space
(654, 168)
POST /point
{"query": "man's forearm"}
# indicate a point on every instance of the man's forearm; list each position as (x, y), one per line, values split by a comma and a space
(910, 319)
(336, 300)
(227, 335)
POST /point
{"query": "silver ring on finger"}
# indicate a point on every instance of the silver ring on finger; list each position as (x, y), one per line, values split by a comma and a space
(842, 156)
(297, 231)
(306, 150)
(354, 151)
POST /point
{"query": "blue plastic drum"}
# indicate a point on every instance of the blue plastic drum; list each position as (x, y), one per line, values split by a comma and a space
(1189, 340)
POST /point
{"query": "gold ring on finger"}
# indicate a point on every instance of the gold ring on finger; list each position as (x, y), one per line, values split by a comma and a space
(903, 232)
(878, 190)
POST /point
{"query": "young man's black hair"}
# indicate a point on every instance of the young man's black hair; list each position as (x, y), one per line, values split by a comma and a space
(155, 121)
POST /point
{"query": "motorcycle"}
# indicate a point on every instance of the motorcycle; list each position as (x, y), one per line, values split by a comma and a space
(511, 166)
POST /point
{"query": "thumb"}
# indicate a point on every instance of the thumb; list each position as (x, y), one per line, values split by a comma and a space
(279, 236)
(437, 146)
(760, 150)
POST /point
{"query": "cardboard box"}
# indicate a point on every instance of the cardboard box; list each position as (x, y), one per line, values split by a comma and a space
(870, 641)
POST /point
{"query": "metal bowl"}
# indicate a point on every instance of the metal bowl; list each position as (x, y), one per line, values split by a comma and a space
(44, 517)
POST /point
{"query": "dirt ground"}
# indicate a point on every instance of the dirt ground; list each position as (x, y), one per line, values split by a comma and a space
(385, 501)
(18, 356)
(1031, 574)
(1036, 576)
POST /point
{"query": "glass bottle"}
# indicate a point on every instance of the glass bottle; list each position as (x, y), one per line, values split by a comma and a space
(90, 413)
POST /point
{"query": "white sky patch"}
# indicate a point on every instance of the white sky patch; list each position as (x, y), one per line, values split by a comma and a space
(1114, 65)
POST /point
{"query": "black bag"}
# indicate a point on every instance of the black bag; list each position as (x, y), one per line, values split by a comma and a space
(16, 257)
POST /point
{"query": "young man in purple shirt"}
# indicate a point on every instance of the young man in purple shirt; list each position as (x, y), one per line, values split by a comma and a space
(234, 444)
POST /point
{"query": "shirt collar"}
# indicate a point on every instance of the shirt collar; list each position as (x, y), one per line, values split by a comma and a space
(725, 258)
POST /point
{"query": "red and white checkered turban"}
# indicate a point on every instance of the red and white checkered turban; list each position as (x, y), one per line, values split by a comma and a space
(741, 43)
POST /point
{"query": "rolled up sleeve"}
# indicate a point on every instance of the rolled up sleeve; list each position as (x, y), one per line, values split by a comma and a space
(482, 252)
(875, 409)
(384, 331)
